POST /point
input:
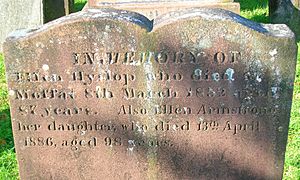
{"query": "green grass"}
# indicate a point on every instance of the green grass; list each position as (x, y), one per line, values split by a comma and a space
(292, 157)
(8, 163)
(79, 4)
(256, 10)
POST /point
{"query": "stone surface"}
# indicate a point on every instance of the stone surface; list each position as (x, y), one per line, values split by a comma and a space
(285, 12)
(283, 9)
(296, 3)
(108, 94)
(28, 16)
(153, 8)
(17, 14)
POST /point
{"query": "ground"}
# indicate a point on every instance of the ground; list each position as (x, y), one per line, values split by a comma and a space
(256, 10)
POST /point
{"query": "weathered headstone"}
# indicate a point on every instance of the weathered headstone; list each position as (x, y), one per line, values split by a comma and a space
(283, 9)
(284, 12)
(17, 14)
(106, 94)
(153, 8)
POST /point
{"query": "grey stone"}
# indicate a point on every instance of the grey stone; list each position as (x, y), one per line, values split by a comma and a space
(109, 94)
(284, 12)
(18, 14)
(154, 8)
(296, 3)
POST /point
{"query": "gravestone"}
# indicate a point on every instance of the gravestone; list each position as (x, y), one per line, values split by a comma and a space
(283, 10)
(296, 3)
(17, 14)
(286, 12)
(153, 8)
(109, 94)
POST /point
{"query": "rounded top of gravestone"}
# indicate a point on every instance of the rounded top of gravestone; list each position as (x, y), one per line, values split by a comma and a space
(90, 14)
(276, 30)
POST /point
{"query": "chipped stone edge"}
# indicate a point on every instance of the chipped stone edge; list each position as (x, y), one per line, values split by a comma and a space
(276, 30)
(89, 14)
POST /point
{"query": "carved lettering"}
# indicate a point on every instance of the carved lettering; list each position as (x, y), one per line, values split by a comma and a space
(23, 77)
(204, 109)
(28, 127)
(131, 110)
(130, 93)
(172, 109)
(236, 128)
(167, 126)
(207, 75)
(82, 126)
(21, 94)
(104, 76)
(163, 57)
(98, 93)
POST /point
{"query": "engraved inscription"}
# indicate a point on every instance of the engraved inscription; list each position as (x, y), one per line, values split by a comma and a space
(120, 87)
(163, 57)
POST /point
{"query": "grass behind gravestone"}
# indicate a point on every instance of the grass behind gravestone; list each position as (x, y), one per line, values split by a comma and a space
(256, 10)
(79, 4)
(292, 156)
(8, 163)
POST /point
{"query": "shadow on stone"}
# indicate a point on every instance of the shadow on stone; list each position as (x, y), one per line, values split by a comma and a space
(212, 152)
(183, 161)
